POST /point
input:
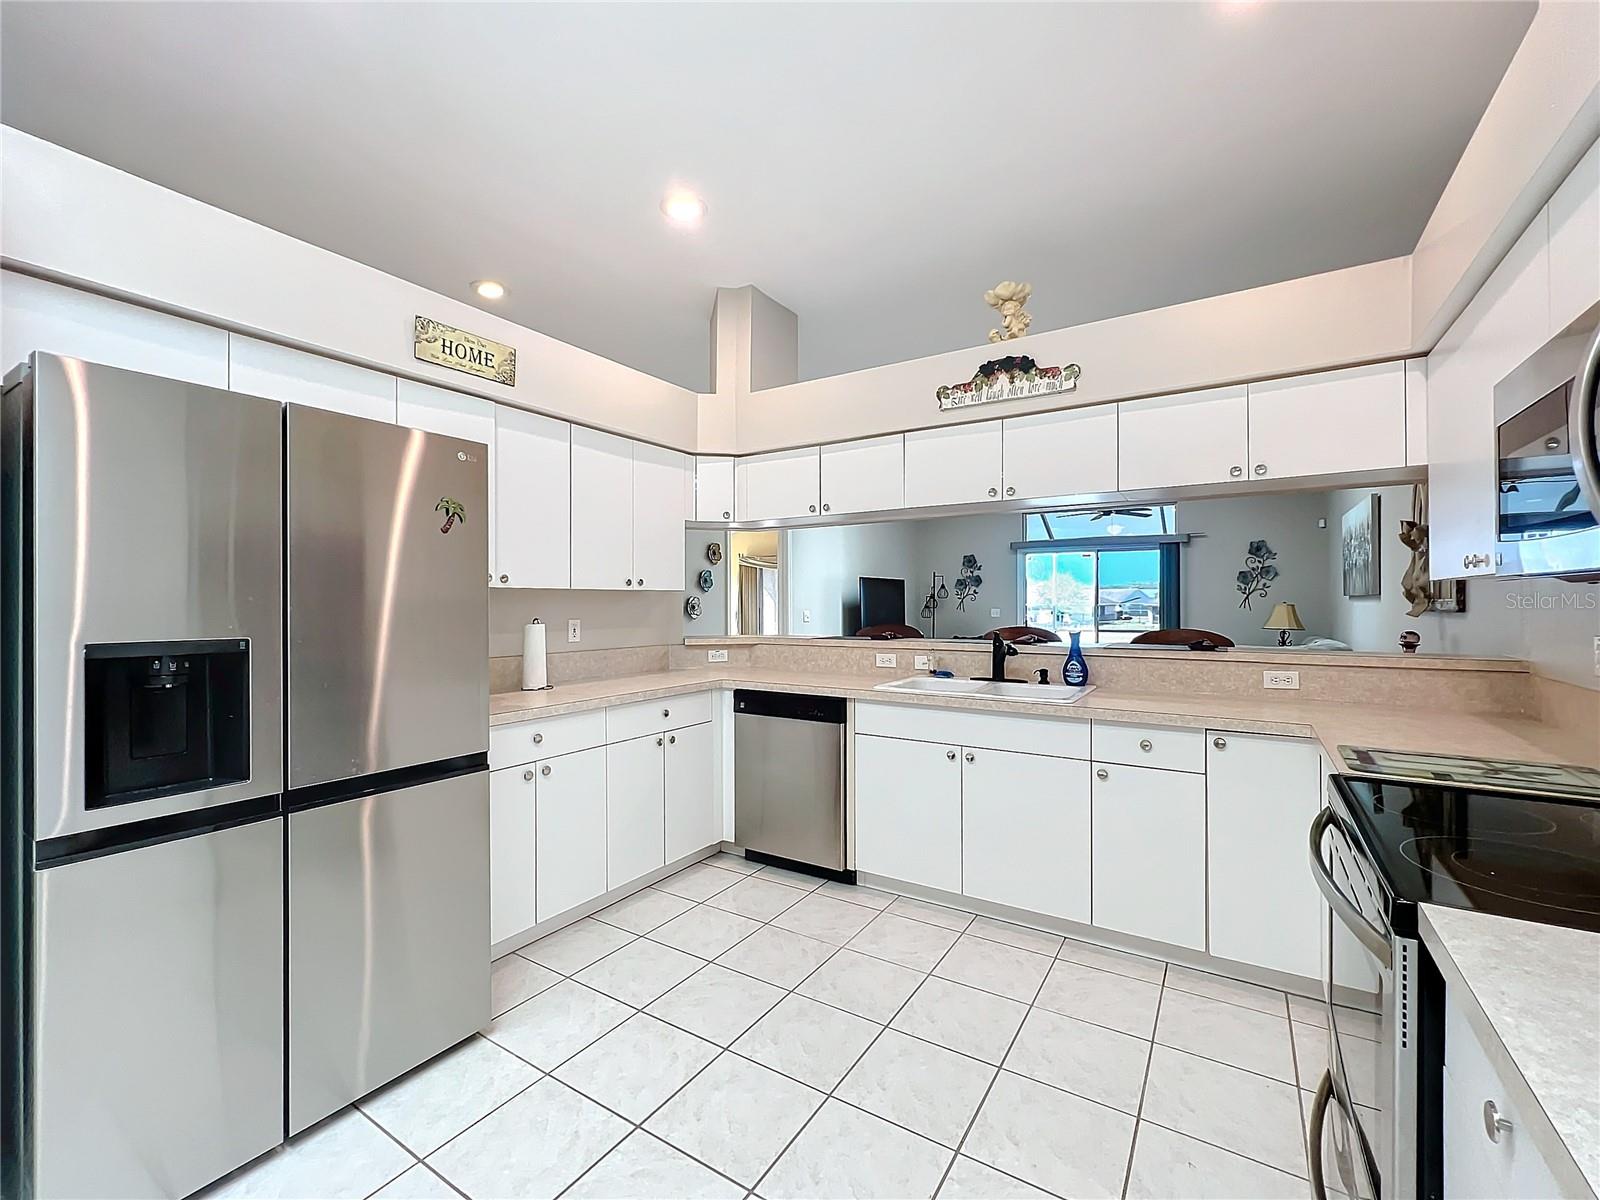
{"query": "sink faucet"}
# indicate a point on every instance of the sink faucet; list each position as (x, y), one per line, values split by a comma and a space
(999, 651)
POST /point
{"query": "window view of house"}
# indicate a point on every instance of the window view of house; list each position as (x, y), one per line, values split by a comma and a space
(1075, 576)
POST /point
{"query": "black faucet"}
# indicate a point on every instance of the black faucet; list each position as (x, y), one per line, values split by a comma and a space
(999, 651)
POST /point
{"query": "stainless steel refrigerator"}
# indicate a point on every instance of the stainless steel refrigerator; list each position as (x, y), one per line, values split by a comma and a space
(244, 792)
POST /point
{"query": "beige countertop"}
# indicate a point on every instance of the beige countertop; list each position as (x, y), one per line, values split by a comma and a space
(1333, 724)
(1532, 995)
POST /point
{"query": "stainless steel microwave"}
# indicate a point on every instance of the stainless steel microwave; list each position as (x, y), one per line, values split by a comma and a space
(1549, 480)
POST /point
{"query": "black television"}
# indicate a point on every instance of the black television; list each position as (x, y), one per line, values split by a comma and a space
(882, 602)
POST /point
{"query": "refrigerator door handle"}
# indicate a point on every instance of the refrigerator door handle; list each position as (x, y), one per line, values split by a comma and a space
(1369, 935)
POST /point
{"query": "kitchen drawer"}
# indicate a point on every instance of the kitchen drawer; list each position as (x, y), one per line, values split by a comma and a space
(1056, 737)
(1159, 746)
(652, 716)
(529, 741)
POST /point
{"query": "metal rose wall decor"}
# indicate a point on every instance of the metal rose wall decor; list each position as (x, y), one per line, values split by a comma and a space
(1016, 377)
(1258, 573)
(969, 580)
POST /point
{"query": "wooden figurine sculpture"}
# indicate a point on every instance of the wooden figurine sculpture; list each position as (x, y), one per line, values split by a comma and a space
(1008, 298)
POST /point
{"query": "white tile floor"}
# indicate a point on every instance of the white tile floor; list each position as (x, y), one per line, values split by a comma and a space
(735, 1031)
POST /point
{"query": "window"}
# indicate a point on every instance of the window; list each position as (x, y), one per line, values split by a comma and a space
(1110, 574)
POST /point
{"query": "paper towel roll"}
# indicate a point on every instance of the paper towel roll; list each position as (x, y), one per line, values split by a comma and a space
(534, 674)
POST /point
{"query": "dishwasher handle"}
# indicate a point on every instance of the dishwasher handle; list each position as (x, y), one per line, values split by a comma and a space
(1369, 935)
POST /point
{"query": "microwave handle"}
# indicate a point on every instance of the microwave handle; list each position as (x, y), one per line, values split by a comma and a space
(1581, 434)
(1370, 936)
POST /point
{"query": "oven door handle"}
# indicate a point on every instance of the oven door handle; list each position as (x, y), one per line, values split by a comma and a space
(1370, 936)
(1582, 415)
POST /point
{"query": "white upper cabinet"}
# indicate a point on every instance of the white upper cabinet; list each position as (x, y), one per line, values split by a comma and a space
(660, 508)
(713, 489)
(533, 500)
(957, 464)
(35, 315)
(295, 377)
(1349, 420)
(1575, 242)
(1188, 438)
(770, 487)
(1416, 412)
(602, 510)
(1061, 453)
(864, 476)
(438, 410)
(1506, 321)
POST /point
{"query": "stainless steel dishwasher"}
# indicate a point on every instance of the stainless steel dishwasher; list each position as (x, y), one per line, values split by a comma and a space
(789, 778)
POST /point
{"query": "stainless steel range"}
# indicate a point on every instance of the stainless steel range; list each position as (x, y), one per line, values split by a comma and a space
(245, 793)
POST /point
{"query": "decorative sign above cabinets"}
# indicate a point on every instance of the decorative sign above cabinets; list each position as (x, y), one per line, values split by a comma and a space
(463, 351)
(1016, 377)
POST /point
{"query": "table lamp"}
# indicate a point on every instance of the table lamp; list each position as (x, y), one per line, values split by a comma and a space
(1283, 619)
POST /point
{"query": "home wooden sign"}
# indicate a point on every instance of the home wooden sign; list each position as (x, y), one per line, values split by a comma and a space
(1016, 377)
(446, 346)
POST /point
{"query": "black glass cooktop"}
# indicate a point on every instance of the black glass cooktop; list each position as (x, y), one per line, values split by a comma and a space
(1536, 858)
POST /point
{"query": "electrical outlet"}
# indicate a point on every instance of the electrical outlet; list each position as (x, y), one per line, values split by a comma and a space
(884, 660)
(716, 656)
(924, 662)
(1281, 680)
(994, 612)
(574, 630)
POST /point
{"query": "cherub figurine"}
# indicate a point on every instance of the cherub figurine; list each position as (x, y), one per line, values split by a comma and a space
(1008, 298)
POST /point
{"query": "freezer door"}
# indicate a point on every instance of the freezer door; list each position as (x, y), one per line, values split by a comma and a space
(158, 1014)
(153, 512)
(388, 937)
(388, 605)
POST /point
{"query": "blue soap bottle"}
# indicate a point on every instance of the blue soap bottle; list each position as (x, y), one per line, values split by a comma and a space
(1075, 671)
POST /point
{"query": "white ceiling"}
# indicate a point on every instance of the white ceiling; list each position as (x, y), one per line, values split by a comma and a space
(873, 167)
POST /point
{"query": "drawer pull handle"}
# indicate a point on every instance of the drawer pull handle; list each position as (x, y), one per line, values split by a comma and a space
(545, 770)
(1493, 1123)
(1145, 745)
(538, 739)
(1102, 773)
(527, 776)
(1220, 743)
(950, 754)
(673, 740)
(658, 741)
(971, 757)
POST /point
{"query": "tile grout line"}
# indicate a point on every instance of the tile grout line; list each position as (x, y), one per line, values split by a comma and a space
(1144, 1086)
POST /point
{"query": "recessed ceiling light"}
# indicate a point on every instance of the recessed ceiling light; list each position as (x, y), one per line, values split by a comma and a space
(683, 207)
(489, 289)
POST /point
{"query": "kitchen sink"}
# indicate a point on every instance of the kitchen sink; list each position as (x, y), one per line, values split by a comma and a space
(981, 689)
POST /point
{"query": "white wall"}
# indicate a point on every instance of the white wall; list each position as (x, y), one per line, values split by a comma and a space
(1221, 532)
(79, 221)
(822, 567)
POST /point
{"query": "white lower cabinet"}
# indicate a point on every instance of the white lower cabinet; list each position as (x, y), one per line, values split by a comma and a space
(1149, 853)
(569, 831)
(693, 806)
(512, 870)
(1265, 907)
(635, 783)
(908, 811)
(1025, 831)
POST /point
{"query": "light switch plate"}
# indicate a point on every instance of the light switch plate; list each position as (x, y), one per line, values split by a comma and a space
(574, 630)
(1281, 680)
(994, 612)
(716, 656)
(884, 660)
(805, 616)
(924, 662)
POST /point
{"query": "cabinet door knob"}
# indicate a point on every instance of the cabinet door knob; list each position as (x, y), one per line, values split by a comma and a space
(1102, 773)
(950, 754)
(994, 491)
(1261, 468)
(1220, 743)
(1236, 471)
(813, 508)
(505, 579)
(659, 741)
(641, 581)
(1011, 491)
(726, 514)
(666, 712)
(538, 739)
(527, 775)
(630, 583)
(971, 757)
(1493, 1123)
(827, 508)
(1145, 745)
(545, 770)
(673, 740)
